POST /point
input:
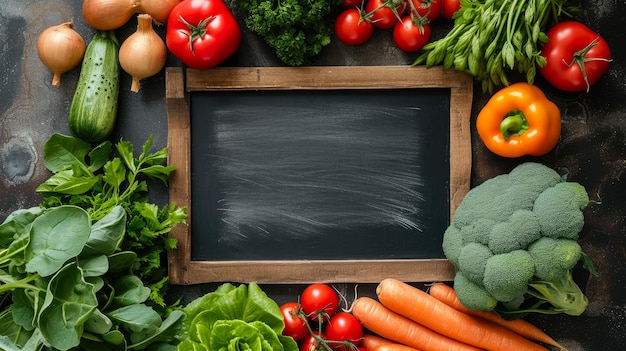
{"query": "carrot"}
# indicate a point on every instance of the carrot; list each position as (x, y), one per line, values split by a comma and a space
(371, 342)
(446, 294)
(390, 325)
(377, 343)
(424, 309)
(393, 347)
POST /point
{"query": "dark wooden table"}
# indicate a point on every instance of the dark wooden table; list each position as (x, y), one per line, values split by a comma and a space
(592, 149)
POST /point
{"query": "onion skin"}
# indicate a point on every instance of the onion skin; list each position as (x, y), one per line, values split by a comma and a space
(143, 53)
(60, 48)
(158, 9)
(112, 14)
(109, 14)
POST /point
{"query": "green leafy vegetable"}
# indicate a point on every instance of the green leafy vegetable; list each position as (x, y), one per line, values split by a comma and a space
(97, 181)
(57, 290)
(491, 38)
(242, 315)
(296, 29)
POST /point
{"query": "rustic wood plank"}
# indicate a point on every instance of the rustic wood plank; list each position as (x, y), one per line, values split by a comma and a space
(179, 151)
(327, 271)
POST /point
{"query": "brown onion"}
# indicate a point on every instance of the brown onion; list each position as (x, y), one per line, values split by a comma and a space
(143, 53)
(112, 14)
(158, 9)
(60, 48)
(108, 14)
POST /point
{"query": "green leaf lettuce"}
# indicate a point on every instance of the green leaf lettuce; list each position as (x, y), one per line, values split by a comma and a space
(234, 318)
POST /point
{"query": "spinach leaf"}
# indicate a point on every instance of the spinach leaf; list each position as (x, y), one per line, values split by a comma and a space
(56, 236)
(63, 152)
(94, 266)
(136, 318)
(69, 302)
(107, 233)
(165, 333)
(130, 290)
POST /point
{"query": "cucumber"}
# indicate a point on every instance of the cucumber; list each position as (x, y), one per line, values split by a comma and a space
(94, 106)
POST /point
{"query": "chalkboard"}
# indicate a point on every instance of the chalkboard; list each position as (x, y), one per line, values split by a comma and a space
(309, 174)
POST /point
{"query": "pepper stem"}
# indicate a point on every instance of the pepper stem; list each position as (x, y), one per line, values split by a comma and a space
(514, 123)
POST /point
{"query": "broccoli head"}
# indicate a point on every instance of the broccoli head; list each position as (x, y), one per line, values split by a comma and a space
(513, 242)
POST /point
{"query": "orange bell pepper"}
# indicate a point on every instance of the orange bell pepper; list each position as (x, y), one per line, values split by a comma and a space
(519, 120)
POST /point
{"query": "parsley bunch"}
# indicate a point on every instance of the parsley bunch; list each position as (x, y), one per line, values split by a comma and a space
(296, 29)
(98, 181)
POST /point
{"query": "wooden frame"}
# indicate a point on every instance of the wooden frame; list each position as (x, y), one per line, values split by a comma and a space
(180, 83)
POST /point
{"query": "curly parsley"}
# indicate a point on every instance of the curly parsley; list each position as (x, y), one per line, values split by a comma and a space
(296, 29)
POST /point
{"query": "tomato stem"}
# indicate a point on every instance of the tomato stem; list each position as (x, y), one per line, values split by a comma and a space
(197, 31)
(580, 59)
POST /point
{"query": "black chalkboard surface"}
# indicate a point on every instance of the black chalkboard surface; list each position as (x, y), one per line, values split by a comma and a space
(309, 174)
(361, 174)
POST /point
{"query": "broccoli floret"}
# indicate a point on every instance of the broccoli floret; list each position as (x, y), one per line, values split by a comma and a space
(497, 198)
(507, 275)
(477, 231)
(558, 211)
(513, 239)
(473, 296)
(536, 177)
(479, 202)
(473, 260)
(517, 233)
(554, 257)
(577, 194)
(452, 244)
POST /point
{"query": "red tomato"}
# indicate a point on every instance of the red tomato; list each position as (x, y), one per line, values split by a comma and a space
(576, 57)
(383, 15)
(310, 343)
(319, 299)
(202, 33)
(352, 28)
(351, 3)
(411, 37)
(294, 325)
(449, 8)
(431, 9)
(344, 326)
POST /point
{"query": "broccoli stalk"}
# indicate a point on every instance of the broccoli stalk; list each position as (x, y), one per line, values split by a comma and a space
(562, 295)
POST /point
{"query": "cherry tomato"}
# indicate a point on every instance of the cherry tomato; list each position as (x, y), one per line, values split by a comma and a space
(411, 37)
(202, 33)
(310, 343)
(294, 325)
(576, 56)
(383, 15)
(351, 3)
(319, 299)
(344, 326)
(449, 8)
(352, 28)
(431, 9)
